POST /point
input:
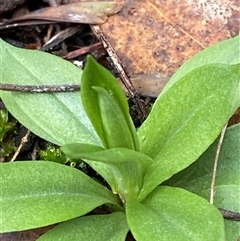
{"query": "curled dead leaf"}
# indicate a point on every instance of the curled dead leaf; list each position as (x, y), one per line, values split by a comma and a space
(80, 12)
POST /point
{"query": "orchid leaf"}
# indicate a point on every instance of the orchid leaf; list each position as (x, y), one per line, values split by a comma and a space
(174, 214)
(35, 194)
(123, 169)
(106, 105)
(56, 117)
(197, 178)
(112, 227)
(192, 114)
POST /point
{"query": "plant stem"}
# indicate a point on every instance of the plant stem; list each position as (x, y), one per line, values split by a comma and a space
(212, 190)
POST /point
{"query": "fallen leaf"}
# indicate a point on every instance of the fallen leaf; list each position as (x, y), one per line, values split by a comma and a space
(158, 36)
(81, 12)
(149, 84)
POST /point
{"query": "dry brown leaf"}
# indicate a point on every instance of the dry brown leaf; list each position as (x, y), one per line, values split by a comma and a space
(157, 36)
(83, 12)
(149, 84)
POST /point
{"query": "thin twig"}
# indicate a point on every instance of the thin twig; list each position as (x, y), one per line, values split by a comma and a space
(40, 88)
(23, 142)
(83, 50)
(119, 68)
(116, 62)
(212, 191)
(35, 151)
(227, 214)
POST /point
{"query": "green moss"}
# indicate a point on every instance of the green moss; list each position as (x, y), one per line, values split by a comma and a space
(7, 128)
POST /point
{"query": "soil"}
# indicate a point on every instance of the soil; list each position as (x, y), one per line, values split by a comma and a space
(6, 6)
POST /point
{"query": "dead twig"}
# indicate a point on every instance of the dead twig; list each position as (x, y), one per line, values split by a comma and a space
(212, 191)
(40, 88)
(35, 151)
(230, 214)
(23, 142)
(83, 50)
(118, 67)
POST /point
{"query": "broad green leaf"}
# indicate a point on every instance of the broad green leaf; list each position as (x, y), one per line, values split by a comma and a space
(109, 227)
(187, 119)
(73, 150)
(35, 194)
(123, 169)
(174, 214)
(232, 230)
(197, 177)
(56, 117)
(107, 108)
(114, 126)
(224, 52)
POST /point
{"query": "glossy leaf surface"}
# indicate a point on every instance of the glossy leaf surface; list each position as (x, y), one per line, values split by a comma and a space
(174, 214)
(35, 194)
(197, 177)
(123, 169)
(56, 117)
(187, 119)
(107, 107)
(112, 227)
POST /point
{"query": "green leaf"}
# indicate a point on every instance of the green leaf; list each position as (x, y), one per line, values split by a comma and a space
(224, 52)
(114, 126)
(56, 117)
(110, 227)
(197, 177)
(187, 119)
(73, 150)
(35, 194)
(232, 230)
(174, 214)
(123, 169)
(107, 107)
